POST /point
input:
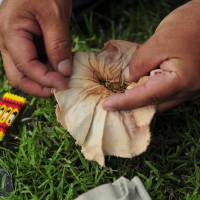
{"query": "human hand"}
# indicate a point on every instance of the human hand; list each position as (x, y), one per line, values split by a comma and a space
(174, 52)
(20, 22)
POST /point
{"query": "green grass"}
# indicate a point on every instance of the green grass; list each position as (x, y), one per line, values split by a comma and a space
(46, 164)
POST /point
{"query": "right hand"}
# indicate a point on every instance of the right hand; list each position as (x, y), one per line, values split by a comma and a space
(20, 22)
(172, 57)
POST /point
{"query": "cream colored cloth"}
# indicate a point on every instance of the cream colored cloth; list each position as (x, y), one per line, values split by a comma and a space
(121, 189)
(99, 132)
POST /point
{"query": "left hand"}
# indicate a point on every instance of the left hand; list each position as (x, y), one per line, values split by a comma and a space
(174, 50)
(23, 21)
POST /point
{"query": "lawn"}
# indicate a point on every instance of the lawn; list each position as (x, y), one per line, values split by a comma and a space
(42, 157)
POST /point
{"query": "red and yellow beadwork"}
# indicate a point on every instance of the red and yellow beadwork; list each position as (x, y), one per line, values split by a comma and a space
(10, 107)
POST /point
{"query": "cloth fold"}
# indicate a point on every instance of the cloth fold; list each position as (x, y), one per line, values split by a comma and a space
(122, 189)
(97, 75)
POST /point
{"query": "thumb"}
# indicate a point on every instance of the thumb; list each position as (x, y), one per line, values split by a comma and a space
(58, 45)
(146, 58)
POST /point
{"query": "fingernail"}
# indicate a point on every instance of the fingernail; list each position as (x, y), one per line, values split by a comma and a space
(64, 67)
(125, 74)
(156, 72)
(53, 90)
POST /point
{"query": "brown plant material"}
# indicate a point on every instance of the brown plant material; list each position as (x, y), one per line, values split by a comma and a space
(99, 132)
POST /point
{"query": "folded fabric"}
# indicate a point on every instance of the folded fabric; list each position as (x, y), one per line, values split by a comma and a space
(122, 189)
(99, 132)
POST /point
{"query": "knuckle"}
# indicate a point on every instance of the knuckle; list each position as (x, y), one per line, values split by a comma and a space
(20, 67)
(127, 102)
(13, 82)
(59, 44)
(153, 99)
(127, 106)
(48, 80)
(58, 49)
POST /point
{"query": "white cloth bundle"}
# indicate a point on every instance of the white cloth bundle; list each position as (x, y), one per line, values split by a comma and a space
(99, 132)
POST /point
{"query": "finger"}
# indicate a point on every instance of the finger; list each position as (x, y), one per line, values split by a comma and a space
(25, 58)
(169, 105)
(159, 87)
(57, 42)
(147, 57)
(18, 80)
